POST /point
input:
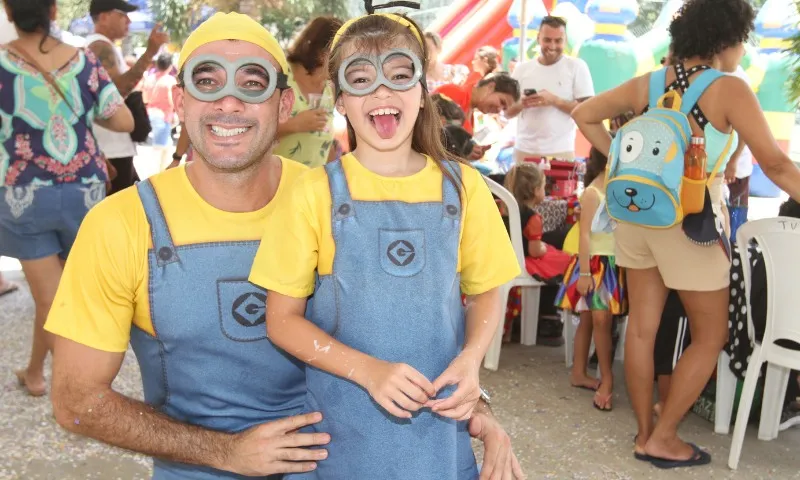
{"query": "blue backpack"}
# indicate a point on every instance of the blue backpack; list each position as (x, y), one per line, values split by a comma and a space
(644, 178)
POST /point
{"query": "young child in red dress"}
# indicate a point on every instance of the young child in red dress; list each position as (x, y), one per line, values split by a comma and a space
(544, 262)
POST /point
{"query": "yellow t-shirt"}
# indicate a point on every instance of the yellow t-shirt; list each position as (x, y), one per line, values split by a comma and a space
(287, 263)
(103, 290)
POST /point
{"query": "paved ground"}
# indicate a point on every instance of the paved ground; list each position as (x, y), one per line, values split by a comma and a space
(556, 433)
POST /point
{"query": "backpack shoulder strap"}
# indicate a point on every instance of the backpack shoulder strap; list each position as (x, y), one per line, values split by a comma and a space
(697, 88)
(658, 81)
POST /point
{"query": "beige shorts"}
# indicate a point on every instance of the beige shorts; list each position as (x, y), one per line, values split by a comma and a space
(683, 265)
(520, 156)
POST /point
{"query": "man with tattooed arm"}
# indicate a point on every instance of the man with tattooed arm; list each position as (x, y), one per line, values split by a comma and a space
(111, 23)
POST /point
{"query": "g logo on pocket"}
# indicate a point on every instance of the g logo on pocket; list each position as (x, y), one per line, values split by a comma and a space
(242, 309)
(250, 309)
(402, 252)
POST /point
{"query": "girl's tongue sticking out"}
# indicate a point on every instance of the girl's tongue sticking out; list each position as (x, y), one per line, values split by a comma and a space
(385, 121)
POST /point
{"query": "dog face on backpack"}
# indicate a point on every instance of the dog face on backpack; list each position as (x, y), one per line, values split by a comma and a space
(646, 149)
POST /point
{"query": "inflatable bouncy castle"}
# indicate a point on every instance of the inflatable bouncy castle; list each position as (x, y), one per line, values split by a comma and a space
(770, 68)
(597, 32)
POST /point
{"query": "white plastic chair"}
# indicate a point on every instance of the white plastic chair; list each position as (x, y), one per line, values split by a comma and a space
(569, 320)
(778, 239)
(529, 313)
(725, 393)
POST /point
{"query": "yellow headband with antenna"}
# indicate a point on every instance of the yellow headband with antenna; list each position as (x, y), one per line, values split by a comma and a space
(397, 18)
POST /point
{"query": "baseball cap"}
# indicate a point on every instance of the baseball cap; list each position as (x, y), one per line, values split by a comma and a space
(101, 6)
(233, 26)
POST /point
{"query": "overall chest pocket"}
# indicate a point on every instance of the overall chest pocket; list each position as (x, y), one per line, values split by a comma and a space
(402, 252)
(242, 310)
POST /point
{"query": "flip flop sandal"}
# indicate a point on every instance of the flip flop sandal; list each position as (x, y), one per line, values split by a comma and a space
(21, 381)
(604, 400)
(698, 458)
(643, 457)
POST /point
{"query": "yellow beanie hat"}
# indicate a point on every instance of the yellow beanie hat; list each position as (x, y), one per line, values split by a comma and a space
(233, 26)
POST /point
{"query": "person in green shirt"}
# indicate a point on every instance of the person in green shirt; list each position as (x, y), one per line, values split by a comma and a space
(308, 136)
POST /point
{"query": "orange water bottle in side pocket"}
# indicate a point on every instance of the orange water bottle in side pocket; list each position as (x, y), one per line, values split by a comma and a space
(693, 188)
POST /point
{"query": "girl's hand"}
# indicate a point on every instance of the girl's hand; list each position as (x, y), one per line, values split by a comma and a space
(397, 387)
(730, 172)
(463, 371)
(585, 285)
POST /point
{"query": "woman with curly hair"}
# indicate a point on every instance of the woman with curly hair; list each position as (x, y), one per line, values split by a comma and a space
(706, 34)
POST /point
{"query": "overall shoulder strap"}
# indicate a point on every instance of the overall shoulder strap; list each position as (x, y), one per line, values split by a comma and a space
(163, 246)
(697, 88)
(658, 81)
(341, 201)
(451, 199)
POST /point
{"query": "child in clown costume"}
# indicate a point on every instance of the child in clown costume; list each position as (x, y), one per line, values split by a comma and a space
(594, 287)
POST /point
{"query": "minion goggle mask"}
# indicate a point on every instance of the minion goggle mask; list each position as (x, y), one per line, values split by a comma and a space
(209, 78)
(399, 69)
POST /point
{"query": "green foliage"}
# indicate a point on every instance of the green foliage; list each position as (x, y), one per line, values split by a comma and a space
(69, 10)
(175, 17)
(649, 10)
(283, 17)
(291, 15)
(793, 83)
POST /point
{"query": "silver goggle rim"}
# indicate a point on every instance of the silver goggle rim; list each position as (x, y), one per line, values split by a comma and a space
(377, 62)
(276, 79)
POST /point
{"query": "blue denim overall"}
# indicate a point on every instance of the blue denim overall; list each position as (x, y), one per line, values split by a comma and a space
(394, 294)
(210, 362)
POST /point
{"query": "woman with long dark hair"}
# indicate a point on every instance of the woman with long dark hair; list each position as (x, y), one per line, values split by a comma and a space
(51, 171)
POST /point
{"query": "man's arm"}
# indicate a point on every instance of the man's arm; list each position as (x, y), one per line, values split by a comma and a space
(499, 461)
(543, 98)
(567, 106)
(127, 81)
(84, 403)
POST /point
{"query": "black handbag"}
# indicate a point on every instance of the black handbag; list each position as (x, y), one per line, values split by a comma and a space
(141, 121)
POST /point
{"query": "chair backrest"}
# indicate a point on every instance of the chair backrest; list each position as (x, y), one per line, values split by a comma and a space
(779, 241)
(514, 221)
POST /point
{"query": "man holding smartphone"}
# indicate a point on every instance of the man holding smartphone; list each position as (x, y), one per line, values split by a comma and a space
(552, 84)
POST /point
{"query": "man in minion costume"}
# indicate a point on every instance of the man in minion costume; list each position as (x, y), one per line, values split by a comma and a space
(163, 265)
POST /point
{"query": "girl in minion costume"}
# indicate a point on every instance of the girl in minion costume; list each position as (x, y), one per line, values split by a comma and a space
(386, 239)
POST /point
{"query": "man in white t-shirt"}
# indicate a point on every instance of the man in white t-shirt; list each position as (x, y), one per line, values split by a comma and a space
(110, 25)
(544, 127)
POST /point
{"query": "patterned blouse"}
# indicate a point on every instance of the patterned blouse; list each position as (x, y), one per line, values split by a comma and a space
(42, 141)
(309, 148)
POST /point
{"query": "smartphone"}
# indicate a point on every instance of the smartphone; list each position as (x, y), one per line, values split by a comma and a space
(529, 91)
